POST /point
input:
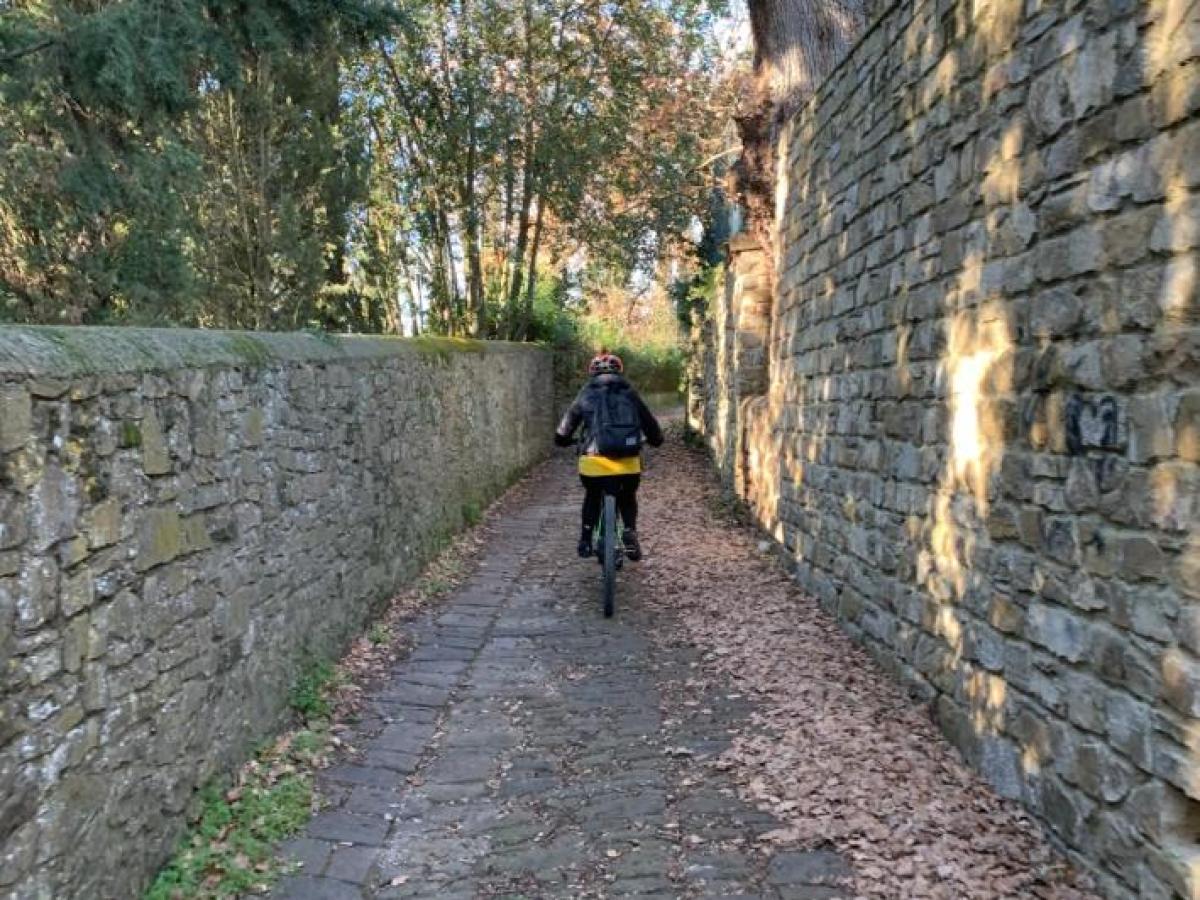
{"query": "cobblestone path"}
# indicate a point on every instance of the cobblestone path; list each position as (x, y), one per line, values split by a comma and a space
(530, 748)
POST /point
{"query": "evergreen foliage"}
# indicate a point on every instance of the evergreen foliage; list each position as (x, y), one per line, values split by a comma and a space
(105, 175)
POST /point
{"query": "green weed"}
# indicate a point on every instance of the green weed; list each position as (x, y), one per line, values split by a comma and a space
(309, 695)
(435, 586)
(131, 434)
(229, 851)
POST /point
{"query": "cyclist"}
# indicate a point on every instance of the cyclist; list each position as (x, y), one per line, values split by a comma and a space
(598, 407)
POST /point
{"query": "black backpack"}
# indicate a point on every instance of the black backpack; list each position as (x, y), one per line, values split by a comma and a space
(615, 426)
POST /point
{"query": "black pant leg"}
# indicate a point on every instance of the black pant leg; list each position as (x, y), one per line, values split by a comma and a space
(627, 499)
(593, 496)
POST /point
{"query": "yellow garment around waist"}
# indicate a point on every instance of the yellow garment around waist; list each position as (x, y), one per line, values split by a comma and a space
(598, 466)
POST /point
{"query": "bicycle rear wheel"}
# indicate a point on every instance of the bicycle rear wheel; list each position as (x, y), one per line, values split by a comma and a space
(609, 528)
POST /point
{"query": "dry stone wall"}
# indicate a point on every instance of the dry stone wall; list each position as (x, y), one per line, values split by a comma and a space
(186, 520)
(980, 439)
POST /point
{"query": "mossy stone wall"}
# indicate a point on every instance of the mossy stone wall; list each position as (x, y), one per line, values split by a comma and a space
(186, 519)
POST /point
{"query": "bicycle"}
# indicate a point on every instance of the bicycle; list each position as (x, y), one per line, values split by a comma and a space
(610, 554)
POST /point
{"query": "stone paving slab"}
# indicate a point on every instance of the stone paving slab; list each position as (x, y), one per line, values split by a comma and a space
(527, 748)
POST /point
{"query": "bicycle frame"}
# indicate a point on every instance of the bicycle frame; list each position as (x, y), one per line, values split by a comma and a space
(610, 553)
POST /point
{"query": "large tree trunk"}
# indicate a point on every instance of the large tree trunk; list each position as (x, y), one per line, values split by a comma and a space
(797, 43)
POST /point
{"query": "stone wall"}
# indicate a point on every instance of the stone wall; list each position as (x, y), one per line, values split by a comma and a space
(980, 440)
(187, 519)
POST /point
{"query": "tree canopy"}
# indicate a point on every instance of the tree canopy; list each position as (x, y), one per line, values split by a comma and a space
(416, 165)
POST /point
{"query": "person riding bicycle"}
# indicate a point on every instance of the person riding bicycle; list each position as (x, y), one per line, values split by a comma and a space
(615, 420)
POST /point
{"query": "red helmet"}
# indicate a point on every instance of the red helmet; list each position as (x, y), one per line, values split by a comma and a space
(606, 364)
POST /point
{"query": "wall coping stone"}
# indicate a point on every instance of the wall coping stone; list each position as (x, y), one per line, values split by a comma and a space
(75, 351)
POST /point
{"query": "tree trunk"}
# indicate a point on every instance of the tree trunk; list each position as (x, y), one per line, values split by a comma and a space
(470, 199)
(531, 279)
(510, 192)
(798, 42)
(518, 263)
(412, 290)
(529, 157)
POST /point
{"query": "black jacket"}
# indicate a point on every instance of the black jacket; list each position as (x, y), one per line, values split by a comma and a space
(589, 396)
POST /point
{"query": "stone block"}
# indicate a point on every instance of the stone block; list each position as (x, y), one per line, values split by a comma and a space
(1064, 810)
(1186, 425)
(194, 533)
(104, 523)
(1177, 863)
(1085, 701)
(1048, 103)
(1178, 227)
(1176, 766)
(1100, 773)
(1159, 811)
(1120, 661)
(75, 643)
(40, 666)
(1054, 312)
(1141, 556)
(1176, 95)
(1129, 724)
(1122, 848)
(72, 552)
(16, 417)
(1077, 253)
(1000, 763)
(1181, 681)
(161, 538)
(78, 592)
(37, 594)
(14, 519)
(1061, 631)
(156, 455)
(1126, 238)
(54, 507)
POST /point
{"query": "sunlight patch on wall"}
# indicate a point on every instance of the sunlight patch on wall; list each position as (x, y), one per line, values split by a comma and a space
(988, 694)
(979, 346)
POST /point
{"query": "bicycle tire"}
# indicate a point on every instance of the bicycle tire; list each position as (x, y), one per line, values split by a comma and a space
(610, 554)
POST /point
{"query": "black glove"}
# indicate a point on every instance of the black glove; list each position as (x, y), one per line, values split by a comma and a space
(562, 440)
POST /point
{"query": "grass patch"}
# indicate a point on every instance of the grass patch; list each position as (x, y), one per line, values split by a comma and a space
(379, 634)
(229, 850)
(471, 514)
(309, 696)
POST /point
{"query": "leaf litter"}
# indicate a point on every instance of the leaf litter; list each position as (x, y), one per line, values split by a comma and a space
(836, 750)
